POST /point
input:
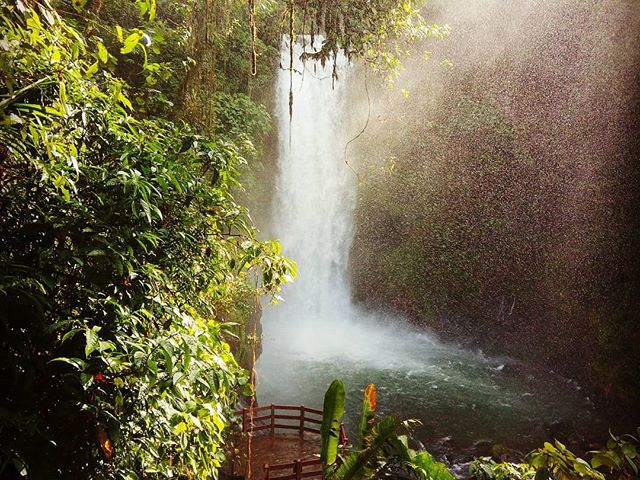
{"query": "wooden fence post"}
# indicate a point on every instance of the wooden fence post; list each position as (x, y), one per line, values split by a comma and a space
(273, 420)
(301, 421)
(297, 469)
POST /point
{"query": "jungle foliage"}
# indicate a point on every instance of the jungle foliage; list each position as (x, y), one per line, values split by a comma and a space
(382, 451)
(122, 248)
(379, 32)
(618, 460)
(124, 127)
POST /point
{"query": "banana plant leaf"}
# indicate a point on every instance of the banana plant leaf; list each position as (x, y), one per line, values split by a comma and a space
(332, 413)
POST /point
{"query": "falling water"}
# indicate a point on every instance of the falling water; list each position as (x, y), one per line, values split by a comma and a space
(318, 334)
(314, 200)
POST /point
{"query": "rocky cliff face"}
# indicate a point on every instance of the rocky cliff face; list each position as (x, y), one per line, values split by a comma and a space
(501, 207)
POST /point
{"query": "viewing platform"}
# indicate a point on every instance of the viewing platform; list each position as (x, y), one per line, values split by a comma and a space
(278, 442)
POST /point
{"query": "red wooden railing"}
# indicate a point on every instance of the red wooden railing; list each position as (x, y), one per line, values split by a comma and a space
(300, 469)
(304, 419)
(274, 417)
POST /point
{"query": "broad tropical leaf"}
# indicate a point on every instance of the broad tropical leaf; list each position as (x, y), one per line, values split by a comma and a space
(333, 410)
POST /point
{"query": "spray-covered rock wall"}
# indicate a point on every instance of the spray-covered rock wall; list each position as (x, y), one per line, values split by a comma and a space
(498, 201)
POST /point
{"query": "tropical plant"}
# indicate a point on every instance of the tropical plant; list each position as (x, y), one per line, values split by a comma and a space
(368, 415)
(428, 468)
(557, 461)
(382, 448)
(332, 413)
(485, 468)
(618, 460)
(620, 456)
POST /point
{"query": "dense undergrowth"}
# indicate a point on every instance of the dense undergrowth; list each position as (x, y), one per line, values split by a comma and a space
(123, 250)
(617, 460)
(384, 450)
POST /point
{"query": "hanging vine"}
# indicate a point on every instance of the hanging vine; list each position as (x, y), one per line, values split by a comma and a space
(291, 41)
(379, 32)
(253, 31)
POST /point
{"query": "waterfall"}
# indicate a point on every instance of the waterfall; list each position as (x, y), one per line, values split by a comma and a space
(314, 192)
(313, 217)
(317, 334)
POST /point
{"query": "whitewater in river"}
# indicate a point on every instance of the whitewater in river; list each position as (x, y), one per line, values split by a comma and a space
(465, 400)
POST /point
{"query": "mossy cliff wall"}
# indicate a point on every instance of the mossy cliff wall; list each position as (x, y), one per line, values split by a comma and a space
(500, 208)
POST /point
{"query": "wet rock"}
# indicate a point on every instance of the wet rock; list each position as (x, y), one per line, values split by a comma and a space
(482, 448)
(460, 470)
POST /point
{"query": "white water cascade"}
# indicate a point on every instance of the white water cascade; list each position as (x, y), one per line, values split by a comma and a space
(318, 334)
(314, 202)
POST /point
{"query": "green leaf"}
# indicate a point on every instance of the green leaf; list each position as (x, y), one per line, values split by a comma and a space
(125, 101)
(92, 340)
(333, 411)
(429, 468)
(582, 467)
(103, 55)
(629, 450)
(70, 334)
(92, 69)
(106, 346)
(602, 459)
(74, 362)
(131, 42)
(152, 10)
(153, 366)
(180, 428)
(538, 460)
